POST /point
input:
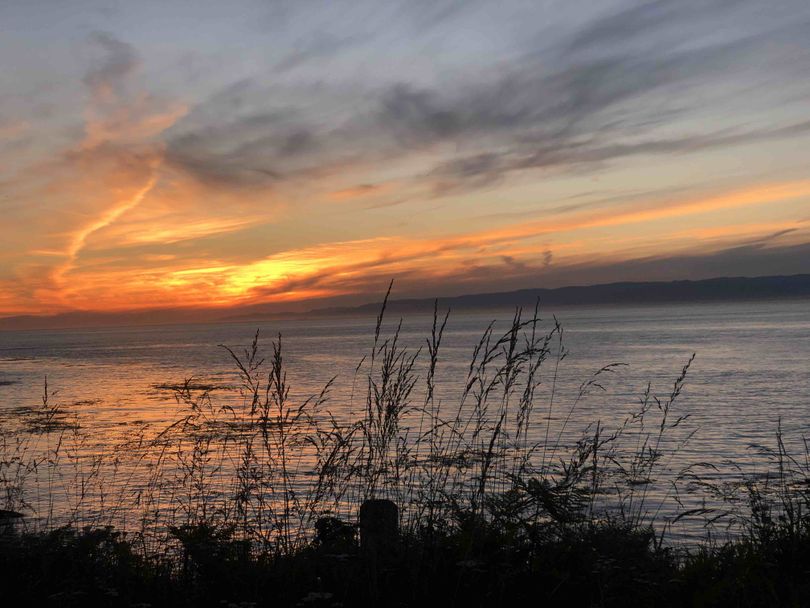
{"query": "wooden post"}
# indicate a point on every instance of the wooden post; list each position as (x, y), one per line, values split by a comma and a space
(379, 537)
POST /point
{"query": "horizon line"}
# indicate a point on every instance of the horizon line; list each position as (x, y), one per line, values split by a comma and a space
(230, 314)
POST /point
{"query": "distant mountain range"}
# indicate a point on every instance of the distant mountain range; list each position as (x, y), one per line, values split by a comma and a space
(657, 292)
(626, 293)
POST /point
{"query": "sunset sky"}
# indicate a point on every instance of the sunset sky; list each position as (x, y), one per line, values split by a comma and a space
(179, 153)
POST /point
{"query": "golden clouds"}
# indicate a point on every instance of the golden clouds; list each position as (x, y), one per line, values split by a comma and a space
(355, 192)
(88, 186)
(110, 222)
(10, 129)
(343, 267)
(523, 250)
(112, 187)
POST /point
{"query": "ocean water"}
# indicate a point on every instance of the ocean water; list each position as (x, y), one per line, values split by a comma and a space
(751, 372)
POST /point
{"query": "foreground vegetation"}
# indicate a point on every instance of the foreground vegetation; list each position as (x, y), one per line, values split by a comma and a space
(483, 564)
(499, 503)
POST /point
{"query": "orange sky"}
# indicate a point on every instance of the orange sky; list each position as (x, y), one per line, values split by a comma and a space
(143, 172)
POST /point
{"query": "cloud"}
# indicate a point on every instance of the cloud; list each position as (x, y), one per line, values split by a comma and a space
(359, 191)
(648, 22)
(501, 256)
(117, 61)
(458, 277)
(621, 85)
(743, 260)
(259, 149)
(117, 110)
(12, 129)
(90, 184)
(224, 185)
(319, 45)
(481, 170)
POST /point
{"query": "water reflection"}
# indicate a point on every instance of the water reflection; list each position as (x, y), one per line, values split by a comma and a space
(117, 389)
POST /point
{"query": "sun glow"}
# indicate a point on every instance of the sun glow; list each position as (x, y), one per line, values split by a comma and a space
(143, 180)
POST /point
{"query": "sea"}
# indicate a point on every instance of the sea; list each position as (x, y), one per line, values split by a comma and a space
(748, 384)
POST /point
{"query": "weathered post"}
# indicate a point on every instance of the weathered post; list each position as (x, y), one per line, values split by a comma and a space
(379, 537)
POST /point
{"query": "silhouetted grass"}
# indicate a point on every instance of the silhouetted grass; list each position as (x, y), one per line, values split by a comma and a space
(498, 503)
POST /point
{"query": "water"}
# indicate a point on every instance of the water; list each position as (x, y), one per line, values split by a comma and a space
(751, 369)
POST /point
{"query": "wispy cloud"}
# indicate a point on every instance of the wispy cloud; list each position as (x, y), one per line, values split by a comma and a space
(603, 93)
(314, 150)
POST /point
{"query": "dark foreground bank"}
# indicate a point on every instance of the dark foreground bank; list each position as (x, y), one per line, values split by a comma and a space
(277, 502)
(477, 564)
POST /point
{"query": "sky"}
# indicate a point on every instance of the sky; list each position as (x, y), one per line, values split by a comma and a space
(217, 154)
